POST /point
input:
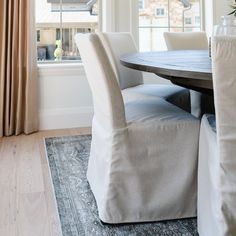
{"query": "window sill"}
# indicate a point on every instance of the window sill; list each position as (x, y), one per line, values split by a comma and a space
(61, 69)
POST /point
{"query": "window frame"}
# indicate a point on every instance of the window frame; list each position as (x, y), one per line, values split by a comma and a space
(69, 62)
(200, 26)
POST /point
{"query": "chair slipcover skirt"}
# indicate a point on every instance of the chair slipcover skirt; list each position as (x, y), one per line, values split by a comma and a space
(207, 181)
(146, 171)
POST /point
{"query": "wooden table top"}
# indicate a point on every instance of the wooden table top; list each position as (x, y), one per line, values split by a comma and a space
(188, 68)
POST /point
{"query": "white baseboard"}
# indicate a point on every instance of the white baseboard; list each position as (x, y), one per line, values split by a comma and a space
(65, 118)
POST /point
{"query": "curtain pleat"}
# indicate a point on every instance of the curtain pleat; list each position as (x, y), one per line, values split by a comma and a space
(18, 68)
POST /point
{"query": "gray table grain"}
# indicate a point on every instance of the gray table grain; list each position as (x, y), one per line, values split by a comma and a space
(188, 68)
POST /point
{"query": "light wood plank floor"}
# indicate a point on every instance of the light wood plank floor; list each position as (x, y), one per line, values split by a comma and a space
(27, 201)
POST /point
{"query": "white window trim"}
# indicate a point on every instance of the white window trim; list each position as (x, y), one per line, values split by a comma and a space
(60, 69)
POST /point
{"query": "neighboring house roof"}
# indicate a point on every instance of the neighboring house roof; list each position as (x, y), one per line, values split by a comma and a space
(47, 18)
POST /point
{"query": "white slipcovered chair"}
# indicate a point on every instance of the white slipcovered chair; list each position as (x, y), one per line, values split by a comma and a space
(200, 103)
(217, 152)
(186, 40)
(131, 81)
(143, 158)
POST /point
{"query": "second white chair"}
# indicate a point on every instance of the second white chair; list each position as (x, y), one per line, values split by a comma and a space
(186, 41)
(131, 81)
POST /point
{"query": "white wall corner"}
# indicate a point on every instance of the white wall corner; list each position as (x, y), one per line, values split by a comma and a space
(108, 15)
(120, 16)
(134, 19)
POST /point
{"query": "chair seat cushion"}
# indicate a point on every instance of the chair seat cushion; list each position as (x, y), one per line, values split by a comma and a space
(155, 110)
(174, 94)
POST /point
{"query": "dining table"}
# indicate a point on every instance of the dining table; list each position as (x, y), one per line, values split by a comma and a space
(191, 69)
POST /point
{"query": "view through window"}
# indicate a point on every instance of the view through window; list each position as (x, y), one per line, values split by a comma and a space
(159, 16)
(57, 21)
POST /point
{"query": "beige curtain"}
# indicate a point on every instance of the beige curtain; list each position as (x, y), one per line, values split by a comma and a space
(18, 68)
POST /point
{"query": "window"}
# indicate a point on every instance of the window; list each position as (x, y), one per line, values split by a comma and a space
(57, 21)
(159, 16)
(188, 20)
(197, 20)
(141, 4)
(160, 12)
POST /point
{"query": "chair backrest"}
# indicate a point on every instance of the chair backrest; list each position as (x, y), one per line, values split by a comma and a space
(186, 41)
(107, 98)
(117, 44)
(224, 81)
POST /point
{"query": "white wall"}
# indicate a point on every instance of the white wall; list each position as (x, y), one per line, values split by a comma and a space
(221, 7)
(65, 99)
(213, 10)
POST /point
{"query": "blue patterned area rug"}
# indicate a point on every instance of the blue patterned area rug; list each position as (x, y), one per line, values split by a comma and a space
(68, 159)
